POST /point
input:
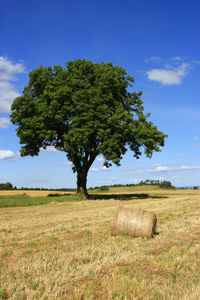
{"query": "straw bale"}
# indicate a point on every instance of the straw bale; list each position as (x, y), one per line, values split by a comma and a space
(134, 222)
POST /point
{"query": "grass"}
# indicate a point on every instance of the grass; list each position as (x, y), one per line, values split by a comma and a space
(14, 196)
(30, 193)
(28, 201)
(63, 250)
(38, 201)
(151, 190)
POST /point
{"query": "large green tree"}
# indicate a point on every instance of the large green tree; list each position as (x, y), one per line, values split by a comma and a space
(85, 110)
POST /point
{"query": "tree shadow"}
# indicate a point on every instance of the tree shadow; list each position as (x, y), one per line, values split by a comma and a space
(122, 197)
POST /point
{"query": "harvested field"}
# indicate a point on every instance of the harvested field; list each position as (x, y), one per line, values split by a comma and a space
(149, 189)
(65, 251)
(31, 193)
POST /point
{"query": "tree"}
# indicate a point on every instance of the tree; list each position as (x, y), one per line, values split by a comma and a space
(6, 186)
(85, 110)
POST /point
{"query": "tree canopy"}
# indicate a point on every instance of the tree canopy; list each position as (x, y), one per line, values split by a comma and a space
(6, 186)
(85, 110)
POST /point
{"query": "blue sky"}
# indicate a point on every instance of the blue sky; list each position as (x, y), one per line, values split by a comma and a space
(157, 42)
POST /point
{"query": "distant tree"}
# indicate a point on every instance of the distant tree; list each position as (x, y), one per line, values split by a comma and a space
(195, 187)
(84, 110)
(6, 186)
(163, 184)
(104, 188)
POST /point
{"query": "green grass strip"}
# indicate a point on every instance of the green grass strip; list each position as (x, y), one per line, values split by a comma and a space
(14, 196)
(38, 201)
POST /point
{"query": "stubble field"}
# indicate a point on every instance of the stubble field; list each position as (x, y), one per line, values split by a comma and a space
(65, 250)
(30, 193)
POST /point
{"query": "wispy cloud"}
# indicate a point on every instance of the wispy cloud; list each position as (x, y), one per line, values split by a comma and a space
(164, 169)
(4, 123)
(8, 73)
(94, 169)
(114, 179)
(50, 149)
(136, 180)
(152, 58)
(176, 58)
(7, 155)
(68, 164)
(196, 62)
(169, 76)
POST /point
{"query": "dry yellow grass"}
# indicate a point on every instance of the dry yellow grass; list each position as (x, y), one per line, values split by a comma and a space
(31, 193)
(65, 251)
(149, 190)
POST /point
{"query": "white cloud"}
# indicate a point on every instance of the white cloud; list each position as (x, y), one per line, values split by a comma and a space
(169, 76)
(161, 169)
(8, 93)
(4, 123)
(50, 149)
(8, 69)
(104, 168)
(195, 138)
(68, 164)
(7, 155)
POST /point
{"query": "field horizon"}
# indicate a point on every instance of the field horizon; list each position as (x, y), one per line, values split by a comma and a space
(112, 190)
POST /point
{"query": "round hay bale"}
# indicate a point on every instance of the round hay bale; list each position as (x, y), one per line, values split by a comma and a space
(134, 222)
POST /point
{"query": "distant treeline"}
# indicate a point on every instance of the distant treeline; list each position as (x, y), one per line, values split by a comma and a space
(9, 186)
(161, 184)
(46, 189)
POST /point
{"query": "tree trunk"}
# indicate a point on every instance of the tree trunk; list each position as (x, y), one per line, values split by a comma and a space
(81, 167)
(81, 183)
